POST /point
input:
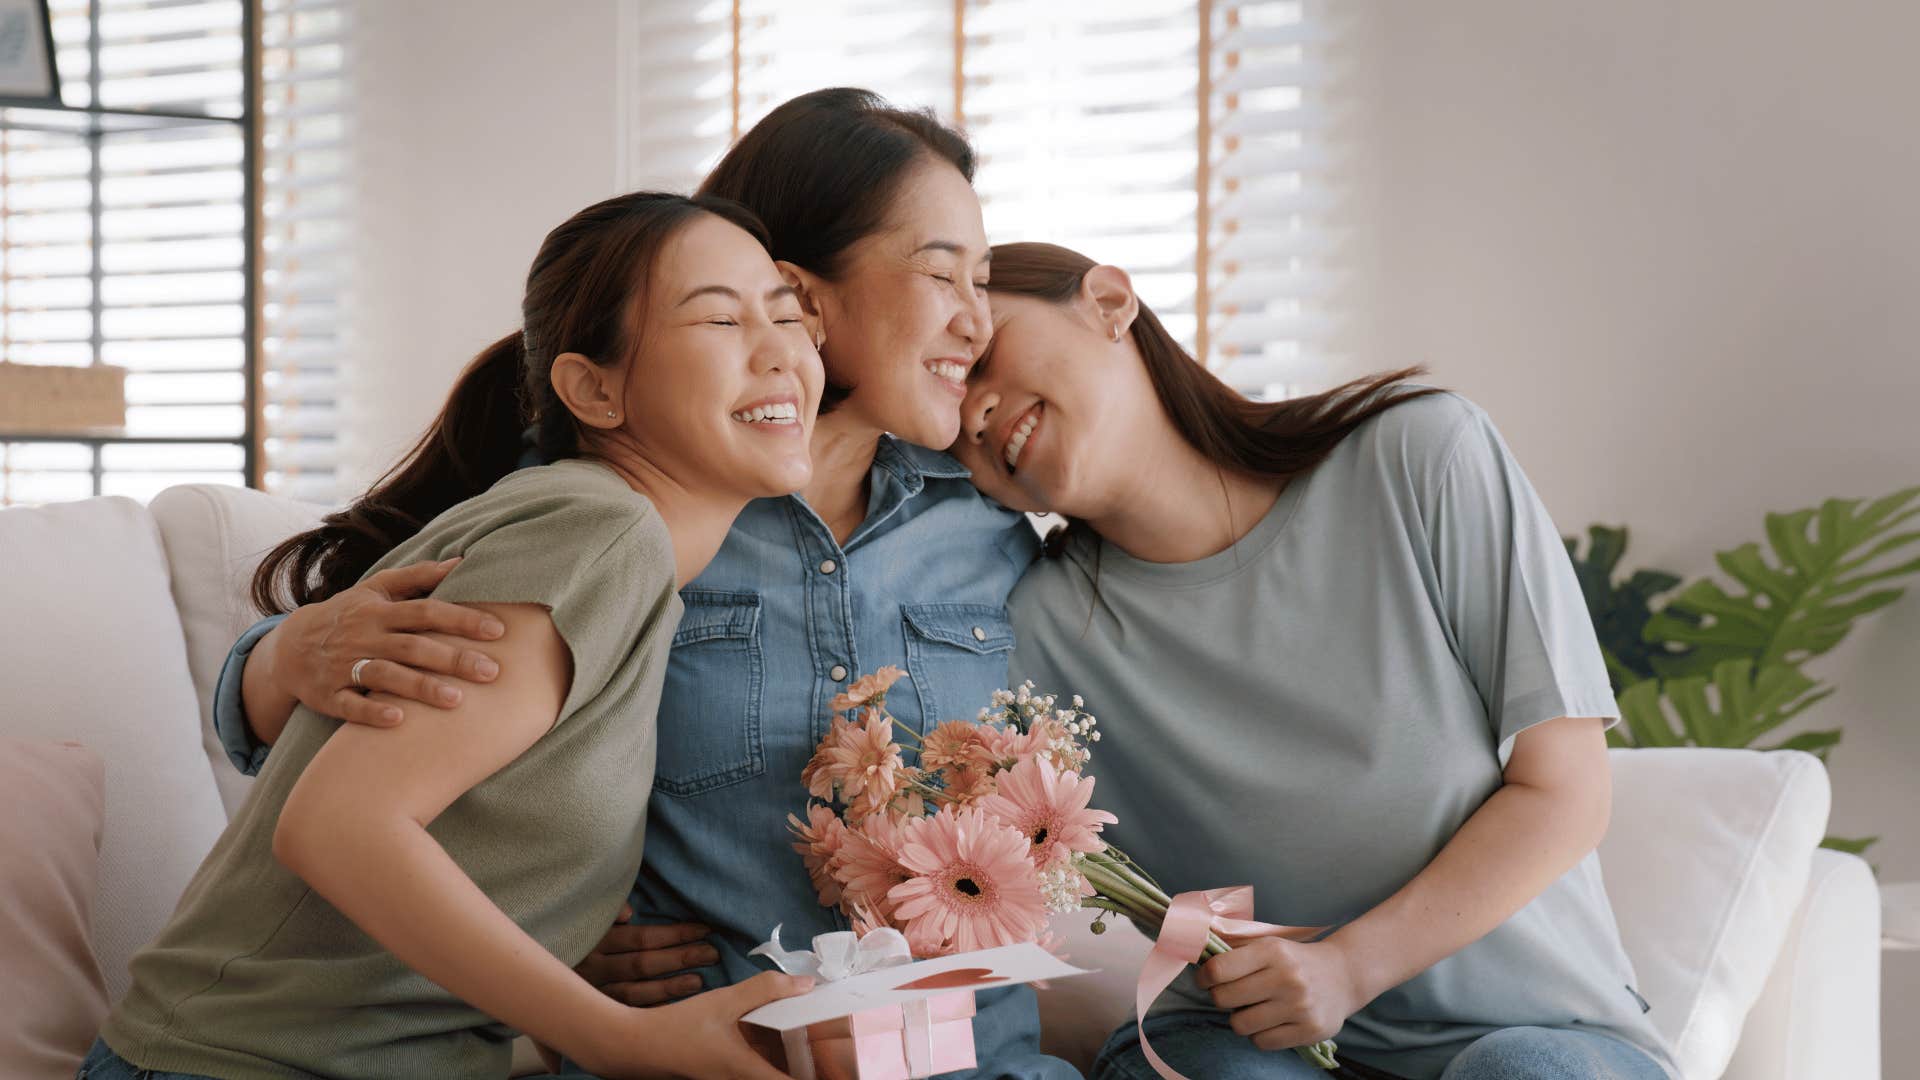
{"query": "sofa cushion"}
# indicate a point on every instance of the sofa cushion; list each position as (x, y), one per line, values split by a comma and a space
(52, 998)
(214, 537)
(1706, 863)
(90, 650)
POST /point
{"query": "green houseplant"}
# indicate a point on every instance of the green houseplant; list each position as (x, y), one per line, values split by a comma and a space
(1714, 665)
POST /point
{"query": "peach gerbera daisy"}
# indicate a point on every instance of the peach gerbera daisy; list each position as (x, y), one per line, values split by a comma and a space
(860, 761)
(1049, 808)
(821, 837)
(956, 744)
(867, 688)
(965, 787)
(973, 886)
(868, 866)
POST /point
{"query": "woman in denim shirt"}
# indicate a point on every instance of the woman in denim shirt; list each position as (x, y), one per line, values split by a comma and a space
(891, 557)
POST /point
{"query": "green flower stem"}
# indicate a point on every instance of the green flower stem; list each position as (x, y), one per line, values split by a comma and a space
(910, 733)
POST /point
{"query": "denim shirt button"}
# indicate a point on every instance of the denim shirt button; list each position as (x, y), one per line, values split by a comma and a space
(829, 566)
(838, 674)
(979, 634)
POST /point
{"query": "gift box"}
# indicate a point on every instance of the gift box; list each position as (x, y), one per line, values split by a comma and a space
(876, 1016)
(894, 1042)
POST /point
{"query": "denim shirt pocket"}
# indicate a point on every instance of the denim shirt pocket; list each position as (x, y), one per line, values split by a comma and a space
(957, 655)
(714, 674)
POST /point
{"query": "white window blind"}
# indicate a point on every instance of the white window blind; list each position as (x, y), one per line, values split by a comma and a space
(163, 293)
(306, 223)
(1178, 139)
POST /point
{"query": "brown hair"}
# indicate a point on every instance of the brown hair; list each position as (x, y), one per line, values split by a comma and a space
(822, 169)
(580, 297)
(1278, 439)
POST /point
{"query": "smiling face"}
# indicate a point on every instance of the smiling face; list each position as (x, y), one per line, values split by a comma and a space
(1051, 417)
(725, 383)
(906, 314)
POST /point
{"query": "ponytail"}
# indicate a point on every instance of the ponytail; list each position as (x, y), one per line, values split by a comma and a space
(472, 443)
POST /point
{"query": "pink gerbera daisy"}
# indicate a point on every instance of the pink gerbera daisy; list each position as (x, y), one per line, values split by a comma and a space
(1049, 808)
(860, 761)
(821, 837)
(973, 886)
(868, 865)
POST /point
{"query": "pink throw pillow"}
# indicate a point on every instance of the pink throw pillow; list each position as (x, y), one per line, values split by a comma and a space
(52, 997)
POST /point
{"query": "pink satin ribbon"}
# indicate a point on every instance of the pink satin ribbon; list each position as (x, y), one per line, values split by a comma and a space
(1183, 937)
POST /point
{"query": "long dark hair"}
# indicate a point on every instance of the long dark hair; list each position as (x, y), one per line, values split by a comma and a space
(822, 170)
(580, 297)
(1278, 439)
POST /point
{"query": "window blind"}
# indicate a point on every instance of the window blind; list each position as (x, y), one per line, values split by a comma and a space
(1179, 139)
(165, 294)
(306, 230)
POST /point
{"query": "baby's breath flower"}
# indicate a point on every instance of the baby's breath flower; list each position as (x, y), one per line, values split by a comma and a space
(1062, 886)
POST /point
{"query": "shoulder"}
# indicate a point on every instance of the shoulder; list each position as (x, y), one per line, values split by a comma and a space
(1423, 429)
(964, 513)
(568, 506)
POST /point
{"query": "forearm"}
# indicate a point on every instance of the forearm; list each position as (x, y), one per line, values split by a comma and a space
(268, 708)
(1520, 841)
(399, 885)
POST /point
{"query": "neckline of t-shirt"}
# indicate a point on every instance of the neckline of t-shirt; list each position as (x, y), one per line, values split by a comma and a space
(1219, 566)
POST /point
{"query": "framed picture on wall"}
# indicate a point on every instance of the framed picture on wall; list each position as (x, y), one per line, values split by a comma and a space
(27, 72)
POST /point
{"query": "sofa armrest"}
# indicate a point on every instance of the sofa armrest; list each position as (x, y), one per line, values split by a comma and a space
(1819, 1014)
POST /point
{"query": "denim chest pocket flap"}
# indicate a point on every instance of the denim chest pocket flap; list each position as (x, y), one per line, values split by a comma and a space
(957, 655)
(709, 727)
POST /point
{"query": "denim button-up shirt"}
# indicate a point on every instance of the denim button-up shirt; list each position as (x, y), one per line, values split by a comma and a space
(783, 619)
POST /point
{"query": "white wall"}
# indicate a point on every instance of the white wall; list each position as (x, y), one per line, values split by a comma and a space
(1674, 249)
(481, 124)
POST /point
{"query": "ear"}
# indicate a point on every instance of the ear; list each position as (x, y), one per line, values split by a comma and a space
(589, 391)
(810, 287)
(1109, 292)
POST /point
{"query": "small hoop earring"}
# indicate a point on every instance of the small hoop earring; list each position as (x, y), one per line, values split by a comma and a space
(1117, 332)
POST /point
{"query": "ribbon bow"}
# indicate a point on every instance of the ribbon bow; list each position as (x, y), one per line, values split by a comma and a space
(840, 954)
(1191, 918)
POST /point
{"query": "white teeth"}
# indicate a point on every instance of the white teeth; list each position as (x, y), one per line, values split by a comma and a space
(947, 369)
(1018, 440)
(779, 412)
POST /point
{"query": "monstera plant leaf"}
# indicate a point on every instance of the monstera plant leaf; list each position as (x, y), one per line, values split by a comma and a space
(1821, 570)
(1620, 610)
(1733, 708)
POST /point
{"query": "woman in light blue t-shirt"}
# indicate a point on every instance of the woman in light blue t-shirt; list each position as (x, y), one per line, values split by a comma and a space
(1340, 655)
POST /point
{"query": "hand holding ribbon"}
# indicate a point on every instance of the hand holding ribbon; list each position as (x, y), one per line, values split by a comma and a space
(1190, 921)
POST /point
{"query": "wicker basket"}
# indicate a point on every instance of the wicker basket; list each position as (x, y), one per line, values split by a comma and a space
(43, 399)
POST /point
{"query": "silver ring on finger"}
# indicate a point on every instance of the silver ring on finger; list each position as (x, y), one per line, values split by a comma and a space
(359, 666)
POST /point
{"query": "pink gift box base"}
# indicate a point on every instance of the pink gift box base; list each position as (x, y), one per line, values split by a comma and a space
(887, 1043)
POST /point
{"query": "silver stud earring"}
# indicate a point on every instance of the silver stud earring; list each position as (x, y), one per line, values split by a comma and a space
(613, 416)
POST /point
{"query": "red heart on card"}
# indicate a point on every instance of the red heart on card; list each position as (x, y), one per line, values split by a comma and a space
(953, 980)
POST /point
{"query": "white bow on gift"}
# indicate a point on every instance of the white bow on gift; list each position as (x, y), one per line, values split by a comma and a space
(840, 954)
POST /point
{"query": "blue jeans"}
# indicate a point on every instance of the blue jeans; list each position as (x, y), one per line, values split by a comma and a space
(1202, 1046)
(103, 1064)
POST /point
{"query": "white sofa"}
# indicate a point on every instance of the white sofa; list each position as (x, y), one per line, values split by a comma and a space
(114, 619)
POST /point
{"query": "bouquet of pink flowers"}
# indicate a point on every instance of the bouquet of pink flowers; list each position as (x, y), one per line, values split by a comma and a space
(979, 840)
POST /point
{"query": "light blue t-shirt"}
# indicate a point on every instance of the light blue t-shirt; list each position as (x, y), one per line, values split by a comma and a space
(1316, 710)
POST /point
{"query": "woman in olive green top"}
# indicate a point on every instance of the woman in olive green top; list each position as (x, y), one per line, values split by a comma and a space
(398, 901)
